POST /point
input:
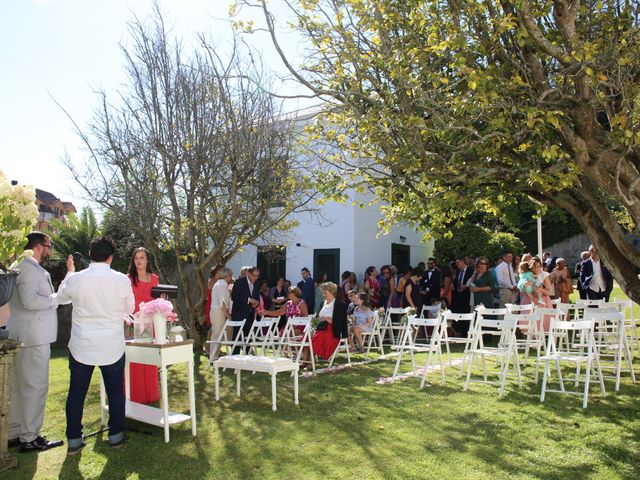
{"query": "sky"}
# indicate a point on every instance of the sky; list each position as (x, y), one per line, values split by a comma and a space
(66, 50)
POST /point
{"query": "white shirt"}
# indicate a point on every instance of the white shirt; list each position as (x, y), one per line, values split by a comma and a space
(597, 283)
(327, 309)
(101, 299)
(505, 276)
(220, 295)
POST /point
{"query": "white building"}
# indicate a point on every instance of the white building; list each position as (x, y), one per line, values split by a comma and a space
(345, 239)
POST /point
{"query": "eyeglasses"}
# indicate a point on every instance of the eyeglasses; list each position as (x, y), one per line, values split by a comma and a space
(46, 245)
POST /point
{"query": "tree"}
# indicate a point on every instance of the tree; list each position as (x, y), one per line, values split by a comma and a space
(476, 241)
(468, 105)
(75, 234)
(192, 157)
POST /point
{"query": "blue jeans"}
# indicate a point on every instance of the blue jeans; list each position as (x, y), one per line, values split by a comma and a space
(113, 376)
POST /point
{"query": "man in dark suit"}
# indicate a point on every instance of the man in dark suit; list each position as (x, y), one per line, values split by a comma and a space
(245, 296)
(431, 282)
(461, 294)
(584, 256)
(595, 278)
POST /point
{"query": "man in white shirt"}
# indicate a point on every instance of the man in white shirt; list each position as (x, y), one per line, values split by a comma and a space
(595, 278)
(101, 299)
(33, 322)
(507, 287)
(220, 308)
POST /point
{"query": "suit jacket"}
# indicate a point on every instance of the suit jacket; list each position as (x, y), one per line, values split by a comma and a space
(34, 319)
(461, 299)
(240, 294)
(433, 283)
(339, 319)
(586, 275)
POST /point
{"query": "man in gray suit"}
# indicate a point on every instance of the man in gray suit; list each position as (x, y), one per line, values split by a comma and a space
(34, 322)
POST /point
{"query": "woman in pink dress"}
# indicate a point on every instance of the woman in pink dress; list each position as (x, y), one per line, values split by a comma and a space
(294, 307)
(143, 378)
(541, 294)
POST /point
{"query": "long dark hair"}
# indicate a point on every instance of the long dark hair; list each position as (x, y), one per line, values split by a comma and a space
(133, 271)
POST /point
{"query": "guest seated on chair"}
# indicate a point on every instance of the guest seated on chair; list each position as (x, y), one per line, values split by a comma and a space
(295, 307)
(334, 312)
(363, 320)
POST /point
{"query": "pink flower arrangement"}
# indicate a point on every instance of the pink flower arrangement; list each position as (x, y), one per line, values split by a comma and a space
(159, 305)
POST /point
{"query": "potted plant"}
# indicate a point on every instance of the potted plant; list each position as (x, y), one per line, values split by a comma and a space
(18, 214)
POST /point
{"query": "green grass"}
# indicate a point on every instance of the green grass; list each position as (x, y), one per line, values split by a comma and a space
(347, 426)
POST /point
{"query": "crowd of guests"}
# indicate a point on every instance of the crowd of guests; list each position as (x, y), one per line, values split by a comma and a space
(460, 285)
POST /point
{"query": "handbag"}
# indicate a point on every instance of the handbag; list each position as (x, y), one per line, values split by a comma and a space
(322, 325)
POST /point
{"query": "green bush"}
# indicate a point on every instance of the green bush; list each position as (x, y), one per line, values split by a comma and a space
(475, 240)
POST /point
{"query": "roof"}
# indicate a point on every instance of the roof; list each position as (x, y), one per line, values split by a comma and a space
(46, 197)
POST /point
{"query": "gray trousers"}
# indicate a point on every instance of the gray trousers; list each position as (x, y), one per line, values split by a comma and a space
(29, 387)
(506, 296)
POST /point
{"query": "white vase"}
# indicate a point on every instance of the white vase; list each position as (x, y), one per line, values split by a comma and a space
(159, 328)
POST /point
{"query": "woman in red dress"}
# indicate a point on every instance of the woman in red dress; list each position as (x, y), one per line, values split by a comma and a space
(144, 378)
(372, 286)
(334, 311)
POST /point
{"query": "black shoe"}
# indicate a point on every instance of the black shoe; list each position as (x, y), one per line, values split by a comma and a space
(119, 443)
(13, 443)
(39, 444)
(73, 450)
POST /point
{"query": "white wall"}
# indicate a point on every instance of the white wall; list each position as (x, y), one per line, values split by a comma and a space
(352, 229)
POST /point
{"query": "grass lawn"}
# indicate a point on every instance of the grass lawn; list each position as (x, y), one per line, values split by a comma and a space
(347, 426)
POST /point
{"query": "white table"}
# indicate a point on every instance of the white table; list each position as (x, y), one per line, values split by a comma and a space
(160, 355)
(254, 363)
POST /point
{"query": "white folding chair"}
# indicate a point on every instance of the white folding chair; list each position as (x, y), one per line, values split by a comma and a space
(611, 342)
(391, 328)
(343, 345)
(295, 338)
(226, 339)
(373, 335)
(430, 311)
(626, 308)
(408, 344)
(586, 303)
(449, 318)
(261, 337)
(556, 352)
(505, 352)
(528, 323)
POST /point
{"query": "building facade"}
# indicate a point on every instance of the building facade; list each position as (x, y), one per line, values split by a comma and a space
(344, 237)
(51, 208)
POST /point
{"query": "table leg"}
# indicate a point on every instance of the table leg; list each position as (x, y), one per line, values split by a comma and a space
(295, 387)
(273, 391)
(217, 375)
(192, 398)
(238, 382)
(164, 400)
